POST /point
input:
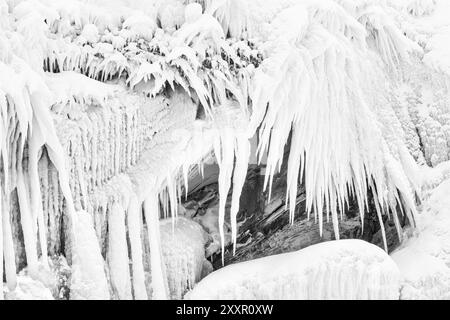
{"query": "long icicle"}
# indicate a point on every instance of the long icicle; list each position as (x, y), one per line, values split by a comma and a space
(159, 279)
(224, 150)
(26, 221)
(134, 219)
(118, 260)
(36, 142)
(8, 249)
(239, 176)
(1, 243)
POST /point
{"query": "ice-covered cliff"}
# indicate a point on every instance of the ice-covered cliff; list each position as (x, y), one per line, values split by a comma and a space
(107, 107)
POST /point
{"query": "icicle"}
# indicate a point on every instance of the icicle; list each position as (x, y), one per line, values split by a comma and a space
(239, 176)
(159, 279)
(380, 220)
(134, 216)
(172, 192)
(118, 260)
(88, 280)
(8, 247)
(1, 239)
(336, 141)
(224, 150)
(25, 216)
(186, 180)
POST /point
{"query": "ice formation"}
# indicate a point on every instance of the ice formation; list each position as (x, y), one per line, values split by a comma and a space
(105, 107)
(183, 248)
(423, 258)
(88, 280)
(346, 269)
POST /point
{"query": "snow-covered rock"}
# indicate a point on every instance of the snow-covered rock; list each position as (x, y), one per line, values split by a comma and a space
(344, 269)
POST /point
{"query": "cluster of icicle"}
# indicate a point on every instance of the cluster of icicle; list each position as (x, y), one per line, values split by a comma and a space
(135, 45)
(312, 85)
(26, 129)
(99, 145)
(27, 134)
(104, 148)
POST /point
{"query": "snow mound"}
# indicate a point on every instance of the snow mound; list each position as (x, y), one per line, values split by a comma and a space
(71, 86)
(424, 276)
(29, 289)
(344, 269)
(424, 258)
(40, 286)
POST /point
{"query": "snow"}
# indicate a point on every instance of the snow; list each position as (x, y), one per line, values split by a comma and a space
(183, 247)
(90, 33)
(26, 118)
(70, 87)
(344, 269)
(29, 289)
(192, 12)
(140, 26)
(423, 258)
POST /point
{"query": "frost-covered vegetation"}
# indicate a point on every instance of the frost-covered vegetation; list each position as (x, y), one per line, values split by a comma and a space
(106, 106)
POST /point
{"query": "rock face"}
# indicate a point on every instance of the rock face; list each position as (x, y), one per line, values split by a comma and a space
(264, 227)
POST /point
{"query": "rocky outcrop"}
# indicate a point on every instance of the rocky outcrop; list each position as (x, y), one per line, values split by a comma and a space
(264, 227)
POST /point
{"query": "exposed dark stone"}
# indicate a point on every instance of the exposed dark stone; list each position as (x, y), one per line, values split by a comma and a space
(264, 227)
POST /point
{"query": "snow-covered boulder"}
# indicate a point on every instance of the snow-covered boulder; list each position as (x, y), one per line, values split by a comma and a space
(344, 269)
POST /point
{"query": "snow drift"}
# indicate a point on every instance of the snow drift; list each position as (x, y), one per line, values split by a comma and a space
(344, 269)
(423, 258)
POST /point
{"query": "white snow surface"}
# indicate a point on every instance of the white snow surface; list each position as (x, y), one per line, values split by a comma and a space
(424, 258)
(29, 289)
(40, 286)
(343, 269)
